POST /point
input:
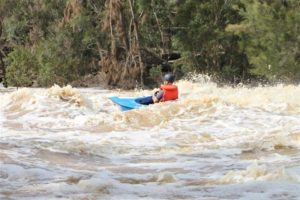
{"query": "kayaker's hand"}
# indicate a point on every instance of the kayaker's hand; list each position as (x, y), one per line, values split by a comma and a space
(155, 100)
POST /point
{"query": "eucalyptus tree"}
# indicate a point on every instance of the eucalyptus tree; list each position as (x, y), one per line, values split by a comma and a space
(134, 29)
(24, 25)
(271, 38)
(201, 36)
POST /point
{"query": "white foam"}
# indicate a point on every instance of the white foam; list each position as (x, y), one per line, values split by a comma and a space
(65, 142)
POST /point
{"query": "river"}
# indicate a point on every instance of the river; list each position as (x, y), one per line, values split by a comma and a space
(213, 143)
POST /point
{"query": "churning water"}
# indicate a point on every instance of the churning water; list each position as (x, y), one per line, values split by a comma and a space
(213, 143)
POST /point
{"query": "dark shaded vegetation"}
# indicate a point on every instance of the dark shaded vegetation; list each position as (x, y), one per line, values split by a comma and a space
(127, 43)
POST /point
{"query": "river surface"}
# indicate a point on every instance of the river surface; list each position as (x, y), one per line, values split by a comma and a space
(213, 143)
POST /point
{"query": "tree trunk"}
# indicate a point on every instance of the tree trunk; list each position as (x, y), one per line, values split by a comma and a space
(135, 27)
(2, 55)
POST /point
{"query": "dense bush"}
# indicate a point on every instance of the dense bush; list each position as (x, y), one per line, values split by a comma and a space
(61, 41)
(22, 67)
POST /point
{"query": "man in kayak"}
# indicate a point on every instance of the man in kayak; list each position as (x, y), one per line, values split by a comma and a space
(167, 92)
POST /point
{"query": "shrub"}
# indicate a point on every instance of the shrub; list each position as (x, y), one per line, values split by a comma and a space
(22, 67)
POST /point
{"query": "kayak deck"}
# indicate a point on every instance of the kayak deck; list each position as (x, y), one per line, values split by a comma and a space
(129, 103)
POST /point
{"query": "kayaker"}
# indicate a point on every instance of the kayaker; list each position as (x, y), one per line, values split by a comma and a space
(167, 92)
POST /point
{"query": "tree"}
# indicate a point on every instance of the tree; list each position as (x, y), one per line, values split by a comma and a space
(123, 63)
(71, 51)
(202, 38)
(125, 42)
(22, 70)
(271, 31)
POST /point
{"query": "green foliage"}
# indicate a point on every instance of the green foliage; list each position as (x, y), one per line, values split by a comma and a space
(60, 41)
(64, 52)
(156, 22)
(27, 22)
(272, 42)
(186, 63)
(201, 34)
(56, 65)
(22, 67)
(156, 74)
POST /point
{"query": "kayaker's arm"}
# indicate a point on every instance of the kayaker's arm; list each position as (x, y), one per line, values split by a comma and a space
(158, 96)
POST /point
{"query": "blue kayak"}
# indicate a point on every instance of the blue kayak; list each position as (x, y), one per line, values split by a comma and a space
(129, 103)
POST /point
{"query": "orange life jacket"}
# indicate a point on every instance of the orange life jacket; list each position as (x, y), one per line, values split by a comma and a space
(170, 92)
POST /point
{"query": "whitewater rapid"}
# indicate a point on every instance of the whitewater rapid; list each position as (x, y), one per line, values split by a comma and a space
(213, 143)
